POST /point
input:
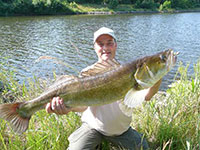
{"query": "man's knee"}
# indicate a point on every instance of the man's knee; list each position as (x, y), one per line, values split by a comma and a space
(130, 140)
(140, 141)
(84, 138)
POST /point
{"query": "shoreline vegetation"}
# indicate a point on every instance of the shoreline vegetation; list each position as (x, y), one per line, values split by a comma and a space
(170, 121)
(70, 7)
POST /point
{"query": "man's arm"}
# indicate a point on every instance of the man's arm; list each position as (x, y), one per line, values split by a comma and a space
(153, 90)
(58, 107)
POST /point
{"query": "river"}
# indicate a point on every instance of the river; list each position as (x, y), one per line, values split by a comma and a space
(70, 39)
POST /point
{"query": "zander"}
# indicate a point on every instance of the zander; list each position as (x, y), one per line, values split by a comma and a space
(107, 82)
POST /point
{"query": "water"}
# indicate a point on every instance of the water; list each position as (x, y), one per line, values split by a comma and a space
(70, 39)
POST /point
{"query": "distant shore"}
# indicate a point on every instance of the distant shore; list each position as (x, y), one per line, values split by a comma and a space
(78, 9)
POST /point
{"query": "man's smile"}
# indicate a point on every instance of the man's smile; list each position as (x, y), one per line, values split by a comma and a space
(104, 53)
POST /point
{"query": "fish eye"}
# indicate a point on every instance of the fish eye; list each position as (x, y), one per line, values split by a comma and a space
(163, 58)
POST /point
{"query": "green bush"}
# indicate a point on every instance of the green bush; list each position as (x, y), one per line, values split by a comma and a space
(76, 1)
(87, 1)
(16, 7)
(7, 1)
(73, 5)
(38, 7)
(165, 6)
(22, 7)
(48, 7)
(113, 4)
(147, 4)
(4, 8)
(125, 2)
(183, 4)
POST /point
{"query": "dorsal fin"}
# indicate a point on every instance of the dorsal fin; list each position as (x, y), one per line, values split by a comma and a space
(100, 68)
(63, 78)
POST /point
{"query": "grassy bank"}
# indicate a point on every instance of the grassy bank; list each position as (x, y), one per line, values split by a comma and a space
(124, 8)
(45, 131)
(171, 121)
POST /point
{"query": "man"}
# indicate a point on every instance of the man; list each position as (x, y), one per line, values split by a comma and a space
(107, 122)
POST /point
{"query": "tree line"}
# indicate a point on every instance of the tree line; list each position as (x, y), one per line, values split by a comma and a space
(34, 7)
(45, 7)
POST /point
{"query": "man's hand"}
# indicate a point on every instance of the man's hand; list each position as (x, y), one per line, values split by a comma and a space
(57, 106)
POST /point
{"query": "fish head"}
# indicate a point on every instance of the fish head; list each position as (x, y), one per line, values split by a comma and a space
(152, 68)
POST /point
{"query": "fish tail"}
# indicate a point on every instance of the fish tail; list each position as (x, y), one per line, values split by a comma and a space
(10, 112)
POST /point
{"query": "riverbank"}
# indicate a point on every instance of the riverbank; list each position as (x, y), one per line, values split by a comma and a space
(75, 8)
(123, 9)
(138, 12)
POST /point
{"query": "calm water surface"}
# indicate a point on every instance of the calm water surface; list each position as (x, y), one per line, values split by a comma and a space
(69, 38)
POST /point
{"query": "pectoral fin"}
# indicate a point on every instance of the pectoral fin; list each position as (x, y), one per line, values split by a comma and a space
(142, 74)
(135, 98)
(126, 110)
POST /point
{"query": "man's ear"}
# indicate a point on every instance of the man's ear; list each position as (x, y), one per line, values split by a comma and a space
(94, 45)
(115, 44)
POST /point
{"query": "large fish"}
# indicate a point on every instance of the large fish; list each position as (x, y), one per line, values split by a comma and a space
(105, 83)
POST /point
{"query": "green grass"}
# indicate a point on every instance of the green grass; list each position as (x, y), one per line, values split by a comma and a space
(87, 8)
(171, 121)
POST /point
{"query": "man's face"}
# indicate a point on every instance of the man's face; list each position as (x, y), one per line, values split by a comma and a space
(105, 47)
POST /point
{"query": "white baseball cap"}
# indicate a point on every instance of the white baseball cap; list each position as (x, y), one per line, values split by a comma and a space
(102, 31)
